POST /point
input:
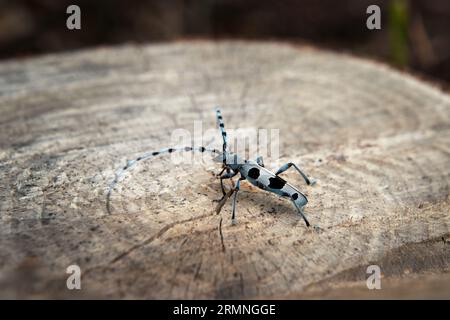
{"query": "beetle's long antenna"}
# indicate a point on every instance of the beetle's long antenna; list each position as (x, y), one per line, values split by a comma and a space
(131, 163)
(224, 133)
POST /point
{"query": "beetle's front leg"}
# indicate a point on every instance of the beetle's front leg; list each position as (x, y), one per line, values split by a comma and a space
(237, 187)
(227, 175)
(220, 173)
(223, 200)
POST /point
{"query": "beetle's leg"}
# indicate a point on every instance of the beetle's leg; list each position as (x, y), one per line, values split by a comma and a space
(236, 189)
(283, 168)
(228, 175)
(223, 169)
(260, 161)
(300, 211)
(224, 199)
(228, 195)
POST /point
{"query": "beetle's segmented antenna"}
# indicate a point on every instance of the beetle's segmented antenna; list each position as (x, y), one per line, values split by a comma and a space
(131, 163)
(224, 133)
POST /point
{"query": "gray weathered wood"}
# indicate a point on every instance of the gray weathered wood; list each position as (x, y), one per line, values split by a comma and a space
(377, 140)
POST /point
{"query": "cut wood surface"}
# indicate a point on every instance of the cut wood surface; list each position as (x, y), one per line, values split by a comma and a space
(376, 140)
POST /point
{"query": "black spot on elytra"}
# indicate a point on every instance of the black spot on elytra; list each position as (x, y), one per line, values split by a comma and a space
(187, 149)
(202, 149)
(219, 117)
(139, 159)
(171, 150)
(276, 183)
(155, 153)
(253, 173)
(224, 134)
(222, 125)
(295, 196)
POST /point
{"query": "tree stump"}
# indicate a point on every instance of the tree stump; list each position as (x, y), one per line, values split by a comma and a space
(377, 141)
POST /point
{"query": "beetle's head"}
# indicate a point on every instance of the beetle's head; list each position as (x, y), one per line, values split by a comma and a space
(232, 160)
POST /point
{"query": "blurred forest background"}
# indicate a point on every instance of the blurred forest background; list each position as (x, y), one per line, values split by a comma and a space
(415, 34)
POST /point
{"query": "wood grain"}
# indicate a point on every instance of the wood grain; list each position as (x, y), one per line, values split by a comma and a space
(377, 140)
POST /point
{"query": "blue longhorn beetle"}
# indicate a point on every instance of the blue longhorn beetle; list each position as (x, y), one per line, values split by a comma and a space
(252, 171)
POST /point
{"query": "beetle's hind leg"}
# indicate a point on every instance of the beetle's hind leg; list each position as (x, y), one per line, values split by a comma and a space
(300, 211)
(304, 176)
